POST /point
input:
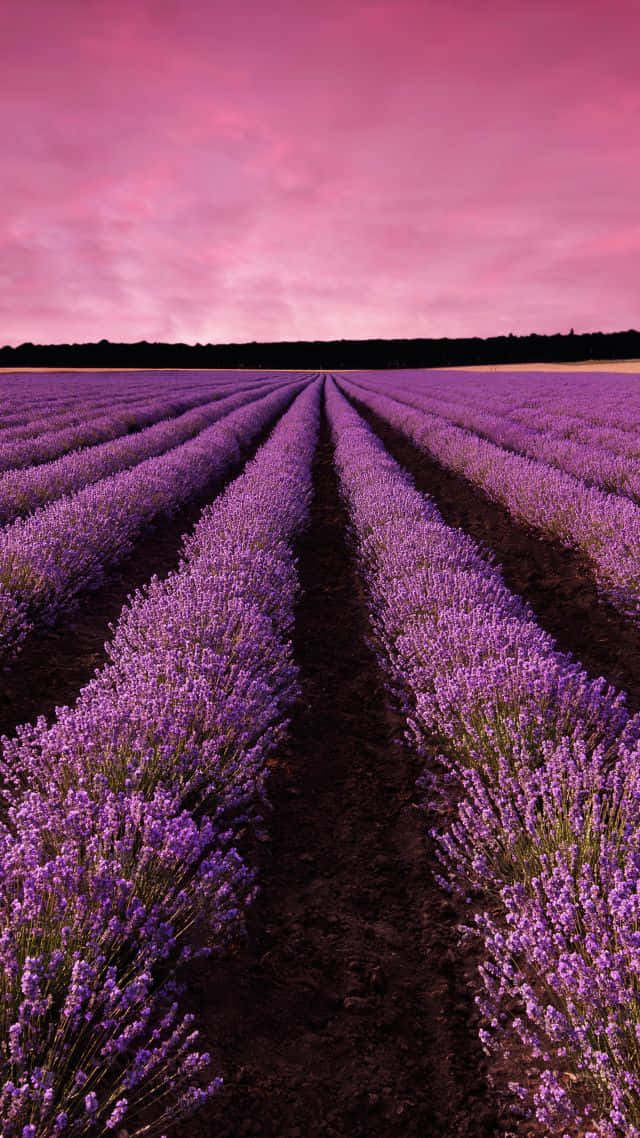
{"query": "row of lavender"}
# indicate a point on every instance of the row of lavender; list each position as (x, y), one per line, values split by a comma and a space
(23, 491)
(562, 421)
(585, 455)
(49, 439)
(47, 559)
(604, 414)
(33, 421)
(603, 527)
(81, 405)
(22, 393)
(598, 399)
(68, 395)
(544, 765)
(619, 435)
(120, 850)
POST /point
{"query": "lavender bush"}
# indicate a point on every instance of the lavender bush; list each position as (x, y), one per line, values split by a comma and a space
(120, 845)
(57, 440)
(542, 762)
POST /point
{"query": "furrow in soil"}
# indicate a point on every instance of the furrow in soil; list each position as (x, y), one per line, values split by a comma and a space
(348, 1012)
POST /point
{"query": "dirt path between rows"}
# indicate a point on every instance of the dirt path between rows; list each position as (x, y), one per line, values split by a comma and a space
(557, 582)
(347, 1014)
(57, 662)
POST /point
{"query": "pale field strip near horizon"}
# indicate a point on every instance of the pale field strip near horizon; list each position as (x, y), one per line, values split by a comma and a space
(631, 366)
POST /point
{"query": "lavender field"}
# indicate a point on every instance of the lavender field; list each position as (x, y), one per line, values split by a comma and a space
(320, 773)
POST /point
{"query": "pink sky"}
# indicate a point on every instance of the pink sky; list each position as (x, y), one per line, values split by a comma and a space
(229, 170)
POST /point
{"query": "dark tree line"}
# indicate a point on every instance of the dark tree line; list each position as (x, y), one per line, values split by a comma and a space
(332, 354)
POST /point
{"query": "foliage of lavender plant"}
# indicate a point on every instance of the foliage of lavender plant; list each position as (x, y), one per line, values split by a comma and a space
(604, 527)
(120, 845)
(67, 546)
(544, 766)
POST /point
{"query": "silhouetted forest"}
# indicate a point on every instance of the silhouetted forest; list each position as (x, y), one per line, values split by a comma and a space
(332, 354)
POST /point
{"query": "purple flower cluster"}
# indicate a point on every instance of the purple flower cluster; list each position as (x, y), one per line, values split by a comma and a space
(22, 491)
(32, 394)
(49, 557)
(538, 788)
(76, 397)
(561, 418)
(122, 819)
(604, 527)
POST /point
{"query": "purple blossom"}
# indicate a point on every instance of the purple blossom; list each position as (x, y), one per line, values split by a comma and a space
(91, 1102)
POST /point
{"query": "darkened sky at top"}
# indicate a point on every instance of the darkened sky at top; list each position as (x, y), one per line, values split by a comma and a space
(279, 169)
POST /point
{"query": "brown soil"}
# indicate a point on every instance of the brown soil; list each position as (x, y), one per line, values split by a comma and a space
(348, 1012)
(58, 661)
(557, 582)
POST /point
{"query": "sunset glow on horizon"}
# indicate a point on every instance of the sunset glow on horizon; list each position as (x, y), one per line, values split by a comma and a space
(187, 170)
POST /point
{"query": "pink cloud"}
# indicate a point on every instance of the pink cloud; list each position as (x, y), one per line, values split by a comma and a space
(201, 171)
